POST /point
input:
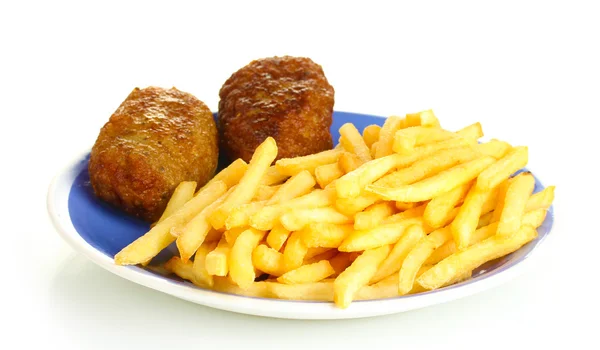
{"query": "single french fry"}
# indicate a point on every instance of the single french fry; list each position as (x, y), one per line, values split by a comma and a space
(417, 257)
(371, 134)
(517, 194)
(373, 215)
(406, 139)
(541, 199)
(494, 148)
(269, 216)
(325, 235)
(468, 215)
(308, 273)
(438, 209)
(502, 188)
(199, 265)
(501, 169)
(326, 174)
(273, 177)
(241, 268)
(268, 260)
(265, 193)
(158, 238)
(378, 236)
(393, 262)
(184, 270)
(474, 256)
(386, 136)
(354, 142)
(352, 206)
(317, 291)
(217, 260)
(256, 289)
(427, 118)
(533, 218)
(262, 158)
(292, 166)
(298, 185)
(231, 175)
(240, 215)
(191, 235)
(429, 166)
(294, 252)
(358, 275)
(407, 214)
(277, 237)
(349, 162)
(183, 193)
(233, 234)
(473, 131)
(297, 219)
(436, 185)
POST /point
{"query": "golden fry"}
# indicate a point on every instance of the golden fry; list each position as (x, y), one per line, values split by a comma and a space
(352, 206)
(371, 134)
(325, 235)
(326, 174)
(292, 166)
(417, 257)
(542, 199)
(393, 262)
(184, 270)
(473, 131)
(262, 158)
(373, 215)
(199, 265)
(158, 238)
(297, 219)
(474, 256)
(241, 269)
(294, 252)
(502, 188)
(514, 160)
(265, 193)
(217, 260)
(378, 236)
(517, 194)
(357, 275)
(354, 142)
(298, 185)
(438, 209)
(468, 215)
(406, 139)
(183, 193)
(386, 136)
(308, 273)
(231, 175)
(494, 148)
(273, 177)
(348, 162)
(268, 260)
(277, 237)
(435, 185)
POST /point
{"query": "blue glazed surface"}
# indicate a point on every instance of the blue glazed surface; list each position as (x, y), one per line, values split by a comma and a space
(109, 230)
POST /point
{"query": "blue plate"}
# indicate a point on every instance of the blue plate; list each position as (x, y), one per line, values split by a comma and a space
(101, 231)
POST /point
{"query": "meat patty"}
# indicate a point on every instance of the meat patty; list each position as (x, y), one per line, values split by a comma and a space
(154, 140)
(287, 98)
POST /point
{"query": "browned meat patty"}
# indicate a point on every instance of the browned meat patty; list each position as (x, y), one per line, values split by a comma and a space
(287, 98)
(155, 139)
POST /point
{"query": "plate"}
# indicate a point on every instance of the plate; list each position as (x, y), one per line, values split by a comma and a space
(99, 231)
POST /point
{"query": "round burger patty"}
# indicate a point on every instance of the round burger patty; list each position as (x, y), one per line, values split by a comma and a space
(287, 98)
(154, 140)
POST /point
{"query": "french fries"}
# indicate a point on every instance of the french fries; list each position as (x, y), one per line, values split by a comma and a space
(183, 193)
(264, 155)
(158, 238)
(241, 269)
(353, 142)
(401, 209)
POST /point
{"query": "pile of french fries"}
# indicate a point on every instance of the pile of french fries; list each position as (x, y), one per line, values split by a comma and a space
(403, 208)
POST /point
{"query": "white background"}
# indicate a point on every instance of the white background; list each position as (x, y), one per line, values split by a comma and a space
(529, 72)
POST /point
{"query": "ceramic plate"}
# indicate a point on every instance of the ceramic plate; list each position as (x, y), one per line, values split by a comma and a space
(99, 231)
